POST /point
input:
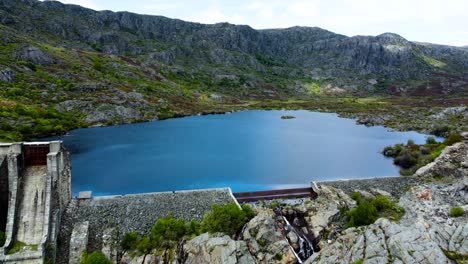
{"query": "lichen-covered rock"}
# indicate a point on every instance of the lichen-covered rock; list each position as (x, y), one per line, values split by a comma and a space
(453, 161)
(114, 113)
(34, 55)
(328, 207)
(425, 234)
(7, 75)
(265, 241)
(217, 248)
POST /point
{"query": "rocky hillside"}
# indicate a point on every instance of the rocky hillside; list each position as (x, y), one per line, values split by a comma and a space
(232, 56)
(65, 66)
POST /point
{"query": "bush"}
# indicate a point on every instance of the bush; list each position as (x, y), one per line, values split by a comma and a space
(382, 202)
(456, 211)
(356, 196)
(194, 228)
(452, 139)
(410, 142)
(431, 140)
(167, 232)
(227, 219)
(363, 214)
(130, 241)
(96, 257)
(2, 238)
(405, 160)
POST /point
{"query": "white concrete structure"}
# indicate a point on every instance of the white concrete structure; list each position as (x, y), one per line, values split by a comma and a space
(34, 190)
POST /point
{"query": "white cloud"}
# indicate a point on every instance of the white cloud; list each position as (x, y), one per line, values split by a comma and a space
(213, 13)
(85, 3)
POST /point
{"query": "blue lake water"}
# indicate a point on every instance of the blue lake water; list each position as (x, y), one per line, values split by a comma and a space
(247, 151)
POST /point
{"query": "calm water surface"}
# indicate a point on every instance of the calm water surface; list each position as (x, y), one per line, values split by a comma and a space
(251, 150)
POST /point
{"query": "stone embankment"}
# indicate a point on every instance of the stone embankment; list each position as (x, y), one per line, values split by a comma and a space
(109, 218)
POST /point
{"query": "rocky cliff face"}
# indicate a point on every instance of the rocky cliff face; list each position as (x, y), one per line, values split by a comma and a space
(385, 63)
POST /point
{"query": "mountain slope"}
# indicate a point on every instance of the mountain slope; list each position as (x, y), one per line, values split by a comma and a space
(63, 66)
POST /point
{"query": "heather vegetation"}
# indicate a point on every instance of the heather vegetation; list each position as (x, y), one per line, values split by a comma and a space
(410, 156)
(369, 210)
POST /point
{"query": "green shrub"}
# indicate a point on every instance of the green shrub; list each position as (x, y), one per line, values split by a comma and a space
(441, 131)
(145, 246)
(431, 140)
(453, 138)
(356, 196)
(410, 142)
(167, 231)
(249, 212)
(227, 219)
(194, 228)
(405, 160)
(130, 241)
(359, 261)
(363, 214)
(456, 211)
(2, 238)
(382, 202)
(96, 257)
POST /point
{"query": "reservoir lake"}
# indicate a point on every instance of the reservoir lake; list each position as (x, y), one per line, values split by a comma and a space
(246, 151)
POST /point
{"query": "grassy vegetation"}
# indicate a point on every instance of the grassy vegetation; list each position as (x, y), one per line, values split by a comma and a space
(369, 210)
(411, 157)
(167, 232)
(96, 257)
(456, 211)
(19, 246)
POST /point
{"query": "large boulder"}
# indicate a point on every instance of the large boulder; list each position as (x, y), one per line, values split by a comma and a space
(217, 248)
(265, 240)
(112, 113)
(34, 55)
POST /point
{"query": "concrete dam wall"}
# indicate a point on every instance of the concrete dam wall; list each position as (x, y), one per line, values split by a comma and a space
(35, 189)
(42, 222)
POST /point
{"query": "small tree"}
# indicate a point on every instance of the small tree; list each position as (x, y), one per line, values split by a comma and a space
(167, 231)
(96, 257)
(363, 214)
(130, 241)
(227, 219)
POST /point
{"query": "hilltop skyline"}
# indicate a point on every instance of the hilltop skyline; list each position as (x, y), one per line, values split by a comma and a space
(434, 21)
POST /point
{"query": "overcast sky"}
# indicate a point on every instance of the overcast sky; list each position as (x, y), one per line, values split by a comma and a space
(436, 21)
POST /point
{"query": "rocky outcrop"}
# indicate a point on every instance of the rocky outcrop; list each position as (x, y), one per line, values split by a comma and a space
(109, 112)
(350, 61)
(265, 239)
(218, 248)
(426, 233)
(453, 161)
(34, 55)
(7, 75)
